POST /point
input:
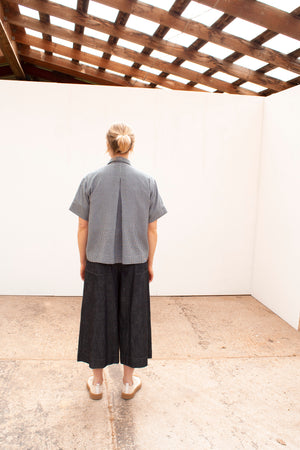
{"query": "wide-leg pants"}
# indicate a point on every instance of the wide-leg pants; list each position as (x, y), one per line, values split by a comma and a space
(115, 315)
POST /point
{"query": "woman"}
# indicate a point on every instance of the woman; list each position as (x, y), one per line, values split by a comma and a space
(118, 207)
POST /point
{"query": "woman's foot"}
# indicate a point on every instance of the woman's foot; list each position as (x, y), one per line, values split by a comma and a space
(128, 391)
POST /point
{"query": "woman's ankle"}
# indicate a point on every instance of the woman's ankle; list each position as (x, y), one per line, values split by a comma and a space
(98, 376)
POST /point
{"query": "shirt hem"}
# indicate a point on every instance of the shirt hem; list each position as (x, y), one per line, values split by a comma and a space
(105, 261)
(76, 209)
(158, 215)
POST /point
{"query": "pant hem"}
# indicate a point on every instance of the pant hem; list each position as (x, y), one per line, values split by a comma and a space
(100, 364)
(135, 362)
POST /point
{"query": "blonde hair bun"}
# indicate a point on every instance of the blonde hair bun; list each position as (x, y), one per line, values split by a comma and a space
(120, 138)
(124, 142)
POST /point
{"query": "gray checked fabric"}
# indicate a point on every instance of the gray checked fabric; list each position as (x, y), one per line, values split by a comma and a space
(118, 201)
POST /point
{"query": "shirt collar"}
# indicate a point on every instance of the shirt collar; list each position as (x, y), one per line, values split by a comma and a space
(120, 159)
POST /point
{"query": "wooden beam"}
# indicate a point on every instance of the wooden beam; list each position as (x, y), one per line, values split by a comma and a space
(5, 71)
(112, 40)
(126, 54)
(45, 18)
(56, 76)
(96, 60)
(82, 7)
(146, 40)
(296, 80)
(13, 8)
(259, 13)
(260, 40)
(219, 24)
(177, 9)
(76, 70)
(9, 47)
(199, 30)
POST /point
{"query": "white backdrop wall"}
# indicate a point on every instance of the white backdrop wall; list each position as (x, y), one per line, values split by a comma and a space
(203, 150)
(276, 275)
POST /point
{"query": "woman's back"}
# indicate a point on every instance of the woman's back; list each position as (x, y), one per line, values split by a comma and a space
(119, 201)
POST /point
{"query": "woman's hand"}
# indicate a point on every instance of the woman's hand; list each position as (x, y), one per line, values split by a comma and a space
(151, 274)
(82, 270)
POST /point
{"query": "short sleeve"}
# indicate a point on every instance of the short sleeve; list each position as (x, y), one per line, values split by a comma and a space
(156, 208)
(81, 202)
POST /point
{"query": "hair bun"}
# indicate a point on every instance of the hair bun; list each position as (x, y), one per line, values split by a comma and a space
(123, 136)
(120, 138)
(124, 143)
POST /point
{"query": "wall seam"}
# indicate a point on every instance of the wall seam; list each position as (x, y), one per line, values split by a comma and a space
(258, 192)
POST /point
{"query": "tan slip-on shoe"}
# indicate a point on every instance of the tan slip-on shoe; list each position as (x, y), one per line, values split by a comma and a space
(128, 391)
(95, 390)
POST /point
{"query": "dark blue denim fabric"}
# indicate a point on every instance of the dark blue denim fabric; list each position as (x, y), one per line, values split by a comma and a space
(115, 315)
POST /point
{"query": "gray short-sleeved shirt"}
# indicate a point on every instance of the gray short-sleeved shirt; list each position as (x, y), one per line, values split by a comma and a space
(119, 201)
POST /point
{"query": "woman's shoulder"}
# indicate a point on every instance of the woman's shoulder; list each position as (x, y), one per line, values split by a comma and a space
(92, 177)
(139, 172)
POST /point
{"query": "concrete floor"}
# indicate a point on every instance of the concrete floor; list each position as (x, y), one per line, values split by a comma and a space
(224, 375)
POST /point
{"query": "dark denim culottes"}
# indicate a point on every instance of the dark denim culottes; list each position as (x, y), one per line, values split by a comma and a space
(115, 315)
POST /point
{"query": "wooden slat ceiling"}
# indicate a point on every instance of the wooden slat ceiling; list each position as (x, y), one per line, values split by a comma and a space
(25, 56)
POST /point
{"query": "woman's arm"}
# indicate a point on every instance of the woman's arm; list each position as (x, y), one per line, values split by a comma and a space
(82, 236)
(152, 241)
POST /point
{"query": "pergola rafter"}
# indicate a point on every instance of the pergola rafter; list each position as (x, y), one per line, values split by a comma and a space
(9, 47)
(74, 65)
(264, 15)
(122, 53)
(202, 31)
